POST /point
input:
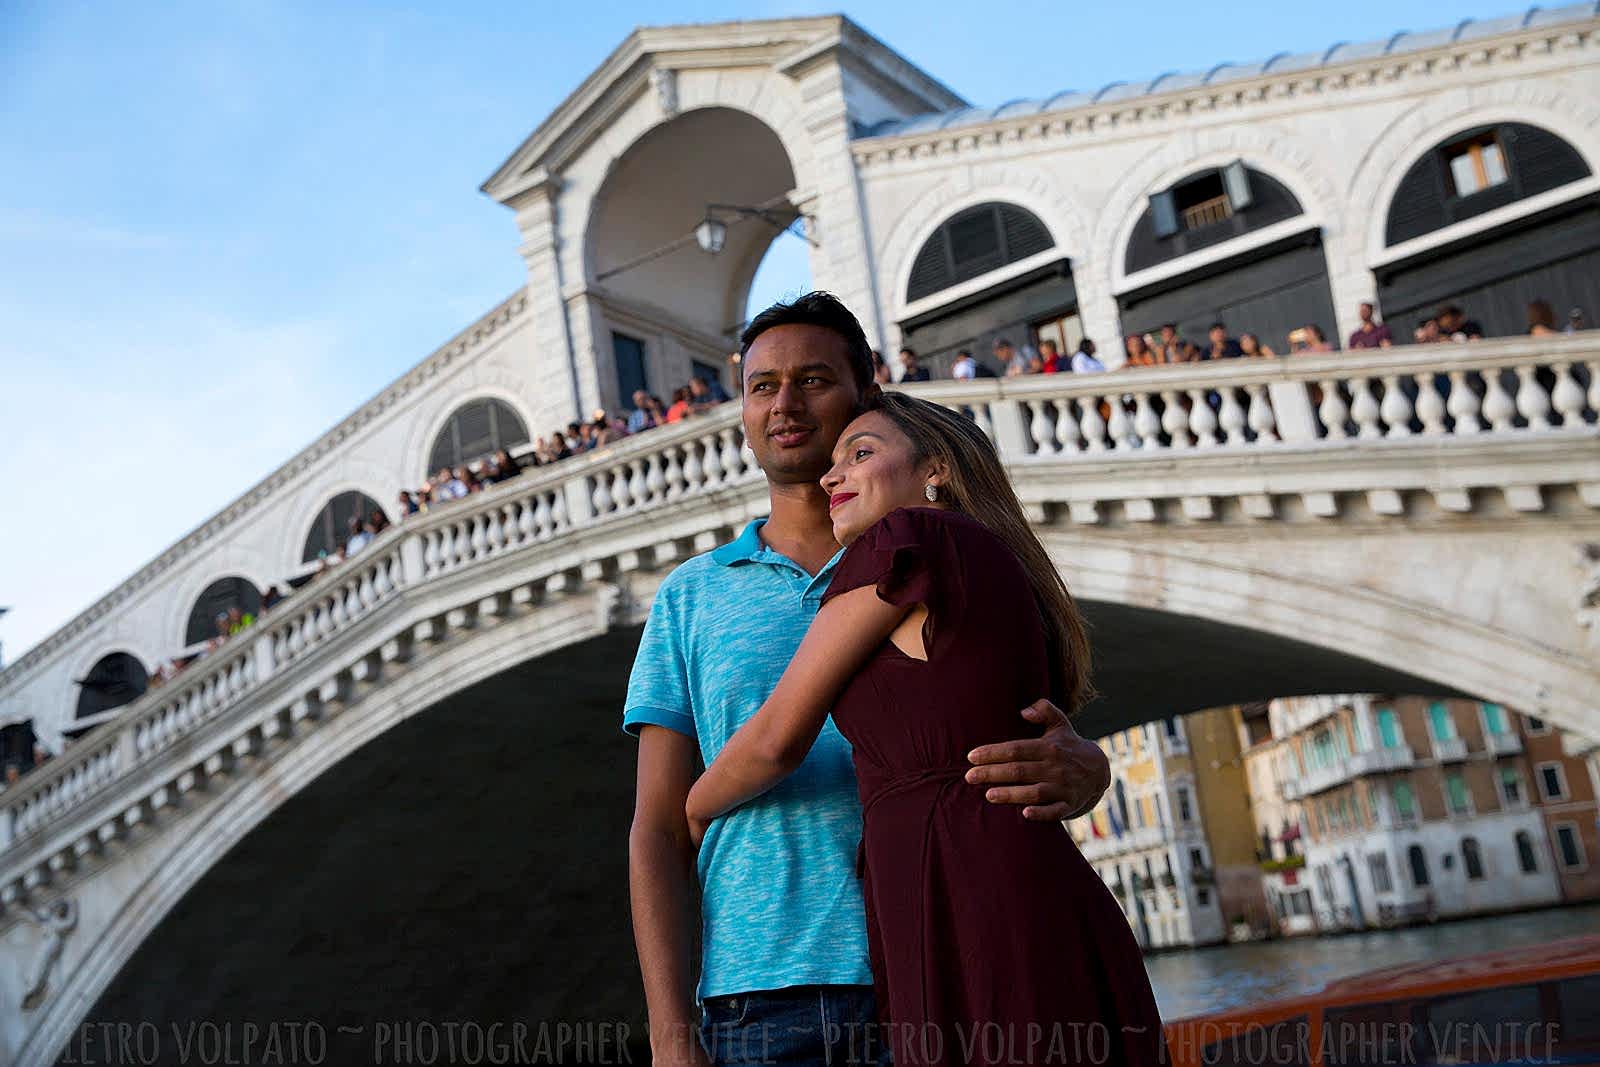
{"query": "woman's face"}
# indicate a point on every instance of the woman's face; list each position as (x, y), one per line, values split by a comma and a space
(874, 471)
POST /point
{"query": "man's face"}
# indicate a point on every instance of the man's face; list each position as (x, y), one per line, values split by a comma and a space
(799, 395)
(697, 387)
(1366, 312)
(908, 359)
(640, 397)
(1004, 353)
(1167, 334)
(1218, 335)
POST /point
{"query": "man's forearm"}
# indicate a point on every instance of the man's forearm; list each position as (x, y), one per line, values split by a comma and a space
(660, 881)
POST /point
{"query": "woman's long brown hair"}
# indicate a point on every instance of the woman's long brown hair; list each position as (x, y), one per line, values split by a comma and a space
(978, 486)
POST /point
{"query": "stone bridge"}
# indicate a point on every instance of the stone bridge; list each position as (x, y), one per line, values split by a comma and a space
(1418, 519)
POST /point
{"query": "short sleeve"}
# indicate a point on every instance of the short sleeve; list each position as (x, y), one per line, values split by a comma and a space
(658, 688)
(911, 556)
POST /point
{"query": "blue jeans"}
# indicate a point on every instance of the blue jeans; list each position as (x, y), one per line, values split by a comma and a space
(816, 1024)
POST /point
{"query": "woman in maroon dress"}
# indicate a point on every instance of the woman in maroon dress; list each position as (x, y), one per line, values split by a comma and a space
(943, 617)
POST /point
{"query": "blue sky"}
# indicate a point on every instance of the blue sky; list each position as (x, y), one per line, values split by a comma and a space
(224, 225)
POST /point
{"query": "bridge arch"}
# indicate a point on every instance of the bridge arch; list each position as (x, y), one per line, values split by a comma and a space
(172, 871)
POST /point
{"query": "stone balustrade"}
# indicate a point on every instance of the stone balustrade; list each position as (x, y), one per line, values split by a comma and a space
(1073, 443)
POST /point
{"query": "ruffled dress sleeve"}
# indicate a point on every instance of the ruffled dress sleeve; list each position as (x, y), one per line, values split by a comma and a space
(912, 557)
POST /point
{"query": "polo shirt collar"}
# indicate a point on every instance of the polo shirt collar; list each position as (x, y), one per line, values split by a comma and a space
(742, 549)
(749, 548)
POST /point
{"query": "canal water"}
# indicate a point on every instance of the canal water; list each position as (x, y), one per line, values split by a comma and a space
(1203, 980)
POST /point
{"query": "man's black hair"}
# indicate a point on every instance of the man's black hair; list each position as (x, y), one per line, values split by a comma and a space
(1219, 326)
(1170, 326)
(816, 309)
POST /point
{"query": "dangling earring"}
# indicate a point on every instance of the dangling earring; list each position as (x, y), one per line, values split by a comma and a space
(931, 491)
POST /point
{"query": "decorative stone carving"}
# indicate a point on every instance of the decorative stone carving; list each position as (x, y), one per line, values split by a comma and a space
(57, 920)
(665, 82)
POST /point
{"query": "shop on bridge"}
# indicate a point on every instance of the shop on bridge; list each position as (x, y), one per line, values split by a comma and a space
(1270, 288)
(1030, 299)
(1549, 254)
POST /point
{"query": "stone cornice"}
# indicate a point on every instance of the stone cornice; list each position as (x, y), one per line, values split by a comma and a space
(1149, 113)
(462, 344)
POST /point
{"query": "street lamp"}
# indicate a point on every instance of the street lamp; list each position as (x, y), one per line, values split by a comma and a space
(712, 233)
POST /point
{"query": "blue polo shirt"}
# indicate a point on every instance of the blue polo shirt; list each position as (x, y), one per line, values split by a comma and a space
(780, 902)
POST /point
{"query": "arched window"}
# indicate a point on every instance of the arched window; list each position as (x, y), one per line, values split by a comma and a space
(476, 429)
(973, 242)
(1472, 858)
(1525, 855)
(1478, 170)
(219, 598)
(113, 681)
(1419, 866)
(1206, 208)
(331, 528)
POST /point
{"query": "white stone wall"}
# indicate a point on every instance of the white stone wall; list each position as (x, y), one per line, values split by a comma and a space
(1504, 886)
(1339, 138)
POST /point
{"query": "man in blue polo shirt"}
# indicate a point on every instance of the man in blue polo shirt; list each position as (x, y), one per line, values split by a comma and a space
(784, 967)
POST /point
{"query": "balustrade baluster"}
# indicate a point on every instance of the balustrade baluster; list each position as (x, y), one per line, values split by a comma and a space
(397, 576)
(1498, 407)
(1262, 422)
(692, 469)
(1202, 421)
(1533, 404)
(336, 611)
(656, 480)
(712, 463)
(353, 608)
(1231, 416)
(1430, 405)
(1594, 385)
(600, 495)
(980, 416)
(1396, 408)
(1364, 409)
(500, 528)
(542, 517)
(1462, 404)
(1175, 420)
(558, 511)
(368, 592)
(382, 582)
(638, 491)
(732, 461)
(1040, 429)
(1090, 422)
(430, 552)
(1145, 422)
(1333, 411)
(1068, 436)
(1120, 426)
(673, 474)
(1567, 396)
(476, 543)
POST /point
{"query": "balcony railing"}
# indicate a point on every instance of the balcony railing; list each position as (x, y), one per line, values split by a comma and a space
(1503, 744)
(1119, 431)
(1129, 841)
(1449, 749)
(1206, 212)
(1349, 768)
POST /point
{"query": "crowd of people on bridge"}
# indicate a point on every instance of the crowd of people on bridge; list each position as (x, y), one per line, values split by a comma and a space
(1167, 345)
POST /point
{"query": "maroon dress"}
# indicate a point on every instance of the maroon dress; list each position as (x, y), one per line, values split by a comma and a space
(992, 939)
